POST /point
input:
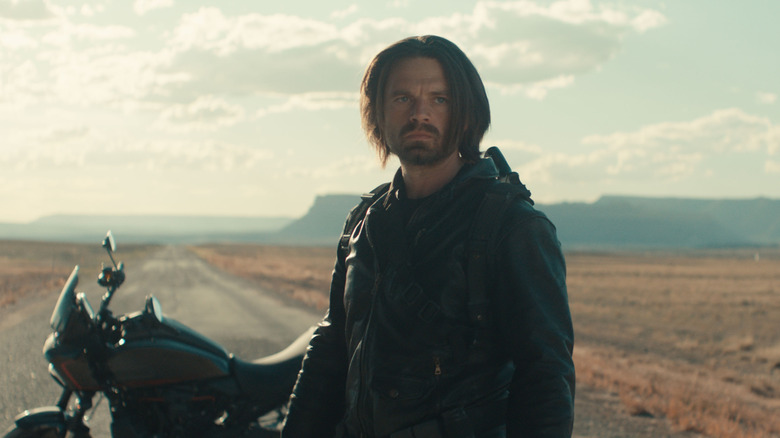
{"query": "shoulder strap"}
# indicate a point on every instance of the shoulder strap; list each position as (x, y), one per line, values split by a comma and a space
(497, 199)
(485, 225)
(356, 215)
(506, 174)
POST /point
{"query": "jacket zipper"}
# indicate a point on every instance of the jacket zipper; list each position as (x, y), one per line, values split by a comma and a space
(362, 391)
(437, 372)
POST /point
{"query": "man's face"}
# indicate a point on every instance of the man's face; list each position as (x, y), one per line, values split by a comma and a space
(417, 112)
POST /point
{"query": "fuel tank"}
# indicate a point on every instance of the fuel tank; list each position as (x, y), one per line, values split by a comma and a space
(148, 353)
(163, 353)
(69, 363)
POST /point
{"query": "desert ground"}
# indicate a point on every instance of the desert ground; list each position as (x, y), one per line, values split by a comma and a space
(690, 337)
(675, 344)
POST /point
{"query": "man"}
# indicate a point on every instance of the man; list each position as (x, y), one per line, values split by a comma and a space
(408, 348)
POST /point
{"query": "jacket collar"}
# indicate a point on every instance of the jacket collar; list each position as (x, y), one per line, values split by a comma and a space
(484, 169)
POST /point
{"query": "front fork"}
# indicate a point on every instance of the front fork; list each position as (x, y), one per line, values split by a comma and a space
(75, 419)
(58, 418)
(62, 403)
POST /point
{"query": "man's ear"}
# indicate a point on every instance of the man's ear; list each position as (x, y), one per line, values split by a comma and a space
(465, 126)
(379, 121)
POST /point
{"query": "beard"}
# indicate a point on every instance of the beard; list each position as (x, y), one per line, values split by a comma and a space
(426, 152)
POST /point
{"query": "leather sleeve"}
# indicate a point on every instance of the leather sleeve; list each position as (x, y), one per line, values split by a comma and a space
(317, 401)
(534, 320)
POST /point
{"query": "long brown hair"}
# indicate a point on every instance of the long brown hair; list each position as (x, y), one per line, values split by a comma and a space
(469, 110)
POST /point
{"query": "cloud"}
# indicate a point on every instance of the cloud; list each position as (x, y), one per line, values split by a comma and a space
(535, 90)
(90, 10)
(68, 34)
(523, 42)
(25, 10)
(313, 102)
(141, 7)
(668, 151)
(260, 54)
(727, 130)
(68, 134)
(766, 98)
(211, 156)
(516, 145)
(347, 166)
(350, 10)
(398, 4)
(80, 147)
(99, 75)
(55, 146)
(83, 64)
(647, 20)
(569, 11)
(210, 30)
(205, 113)
(14, 39)
(519, 47)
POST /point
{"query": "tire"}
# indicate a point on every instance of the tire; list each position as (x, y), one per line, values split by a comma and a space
(270, 424)
(38, 432)
(259, 432)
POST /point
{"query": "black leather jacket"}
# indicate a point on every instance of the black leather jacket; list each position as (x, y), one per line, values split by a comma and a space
(397, 347)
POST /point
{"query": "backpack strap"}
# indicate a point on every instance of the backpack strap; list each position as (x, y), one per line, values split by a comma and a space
(498, 197)
(356, 215)
(485, 224)
(506, 174)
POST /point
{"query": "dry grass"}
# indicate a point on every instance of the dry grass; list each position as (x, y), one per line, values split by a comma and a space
(36, 268)
(694, 338)
(300, 273)
(691, 337)
(691, 398)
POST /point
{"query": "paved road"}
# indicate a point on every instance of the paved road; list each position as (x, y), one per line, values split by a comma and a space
(248, 322)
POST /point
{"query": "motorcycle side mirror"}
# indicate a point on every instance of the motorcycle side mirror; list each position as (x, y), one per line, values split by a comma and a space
(109, 242)
(154, 308)
(110, 245)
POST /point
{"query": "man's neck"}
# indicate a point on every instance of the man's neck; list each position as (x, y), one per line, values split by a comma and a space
(422, 181)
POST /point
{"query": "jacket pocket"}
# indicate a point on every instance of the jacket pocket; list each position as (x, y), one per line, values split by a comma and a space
(401, 388)
(400, 402)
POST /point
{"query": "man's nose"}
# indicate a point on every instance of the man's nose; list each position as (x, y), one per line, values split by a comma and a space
(421, 111)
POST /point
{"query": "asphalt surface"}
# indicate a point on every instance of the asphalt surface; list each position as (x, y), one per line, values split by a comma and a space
(248, 322)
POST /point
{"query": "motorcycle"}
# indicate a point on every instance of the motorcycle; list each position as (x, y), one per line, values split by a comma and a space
(161, 378)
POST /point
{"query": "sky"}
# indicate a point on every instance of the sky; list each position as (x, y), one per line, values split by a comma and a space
(248, 108)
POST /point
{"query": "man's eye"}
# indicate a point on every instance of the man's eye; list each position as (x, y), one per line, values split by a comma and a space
(441, 100)
(402, 99)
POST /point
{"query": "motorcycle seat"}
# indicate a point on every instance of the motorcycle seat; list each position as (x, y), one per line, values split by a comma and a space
(271, 378)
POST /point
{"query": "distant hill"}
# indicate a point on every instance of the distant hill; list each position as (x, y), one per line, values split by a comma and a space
(635, 222)
(612, 222)
(143, 228)
(322, 224)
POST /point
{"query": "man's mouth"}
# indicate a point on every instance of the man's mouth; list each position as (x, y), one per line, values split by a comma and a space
(418, 135)
(419, 131)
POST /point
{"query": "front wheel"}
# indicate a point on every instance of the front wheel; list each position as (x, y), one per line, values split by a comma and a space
(36, 432)
(43, 432)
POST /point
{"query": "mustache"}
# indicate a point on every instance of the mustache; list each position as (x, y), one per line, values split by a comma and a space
(417, 126)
